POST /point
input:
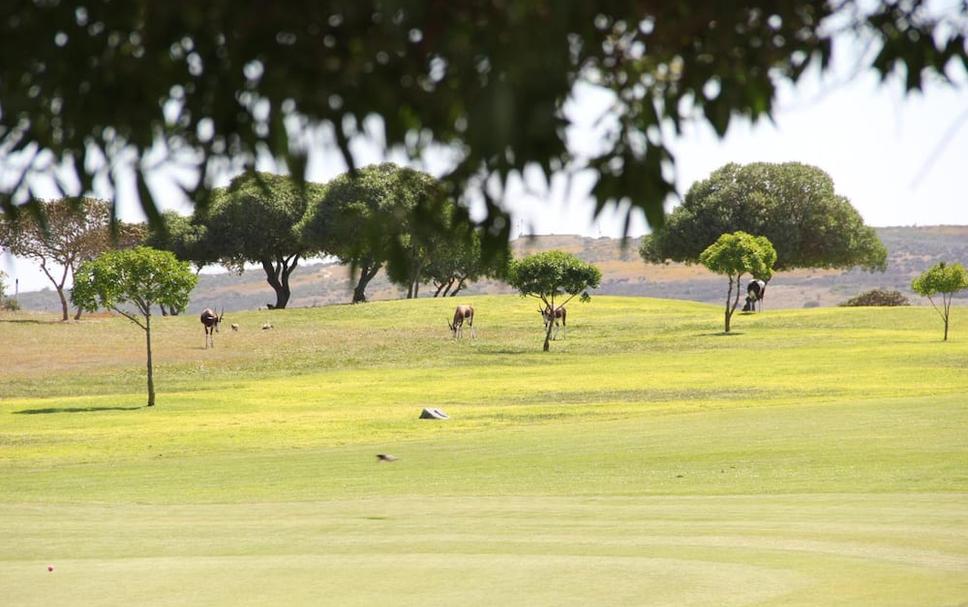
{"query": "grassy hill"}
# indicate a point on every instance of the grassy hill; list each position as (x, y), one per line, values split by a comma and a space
(814, 457)
(911, 249)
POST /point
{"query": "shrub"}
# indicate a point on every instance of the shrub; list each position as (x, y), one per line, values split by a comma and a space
(813, 303)
(9, 305)
(878, 297)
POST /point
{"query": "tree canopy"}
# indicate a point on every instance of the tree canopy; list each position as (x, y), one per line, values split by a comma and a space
(68, 232)
(552, 275)
(136, 278)
(366, 219)
(794, 205)
(737, 254)
(98, 88)
(252, 221)
(942, 279)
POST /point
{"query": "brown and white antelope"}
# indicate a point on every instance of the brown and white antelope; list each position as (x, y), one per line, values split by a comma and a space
(462, 313)
(560, 315)
(211, 321)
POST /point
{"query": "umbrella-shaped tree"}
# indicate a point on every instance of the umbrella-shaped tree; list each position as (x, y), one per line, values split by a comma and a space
(554, 278)
(130, 282)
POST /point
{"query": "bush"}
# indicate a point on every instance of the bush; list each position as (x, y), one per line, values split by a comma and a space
(813, 303)
(878, 297)
(9, 305)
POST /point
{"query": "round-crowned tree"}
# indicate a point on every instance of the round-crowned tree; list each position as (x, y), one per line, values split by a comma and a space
(252, 221)
(737, 254)
(554, 278)
(130, 282)
(793, 205)
(942, 279)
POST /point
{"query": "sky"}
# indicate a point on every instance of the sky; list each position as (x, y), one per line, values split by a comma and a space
(900, 159)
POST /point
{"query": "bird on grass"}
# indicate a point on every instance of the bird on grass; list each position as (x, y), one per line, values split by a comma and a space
(385, 457)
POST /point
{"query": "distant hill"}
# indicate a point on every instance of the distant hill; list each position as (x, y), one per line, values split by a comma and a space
(910, 251)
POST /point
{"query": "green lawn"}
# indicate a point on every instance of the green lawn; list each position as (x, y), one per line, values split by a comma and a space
(816, 457)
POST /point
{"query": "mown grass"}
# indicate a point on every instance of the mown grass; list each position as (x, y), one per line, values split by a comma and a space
(814, 457)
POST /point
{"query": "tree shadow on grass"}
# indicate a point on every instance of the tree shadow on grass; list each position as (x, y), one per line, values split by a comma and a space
(720, 334)
(72, 410)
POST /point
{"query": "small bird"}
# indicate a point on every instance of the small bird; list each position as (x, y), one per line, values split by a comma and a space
(235, 326)
(266, 325)
(385, 457)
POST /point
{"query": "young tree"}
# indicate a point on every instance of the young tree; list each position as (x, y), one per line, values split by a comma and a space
(136, 278)
(551, 275)
(737, 254)
(252, 220)
(943, 278)
(792, 204)
(75, 230)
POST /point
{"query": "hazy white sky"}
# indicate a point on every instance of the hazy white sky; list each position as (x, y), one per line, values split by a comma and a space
(901, 160)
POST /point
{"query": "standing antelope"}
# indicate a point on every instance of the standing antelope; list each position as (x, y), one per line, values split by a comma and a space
(211, 322)
(462, 313)
(560, 314)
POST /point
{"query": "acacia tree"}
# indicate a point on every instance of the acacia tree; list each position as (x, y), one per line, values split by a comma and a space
(794, 205)
(136, 278)
(943, 278)
(551, 275)
(228, 80)
(737, 254)
(74, 231)
(252, 221)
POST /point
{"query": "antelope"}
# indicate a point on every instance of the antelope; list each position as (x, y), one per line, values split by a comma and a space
(560, 313)
(211, 322)
(754, 293)
(462, 313)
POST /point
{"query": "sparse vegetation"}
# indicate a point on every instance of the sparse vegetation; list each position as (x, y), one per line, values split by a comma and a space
(877, 297)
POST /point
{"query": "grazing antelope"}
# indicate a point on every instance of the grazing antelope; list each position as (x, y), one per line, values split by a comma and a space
(560, 315)
(754, 293)
(462, 313)
(211, 321)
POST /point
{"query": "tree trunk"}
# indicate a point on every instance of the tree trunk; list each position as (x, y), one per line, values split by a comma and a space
(367, 272)
(65, 309)
(277, 275)
(440, 289)
(947, 310)
(59, 286)
(151, 379)
(550, 327)
(460, 285)
(729, 293)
